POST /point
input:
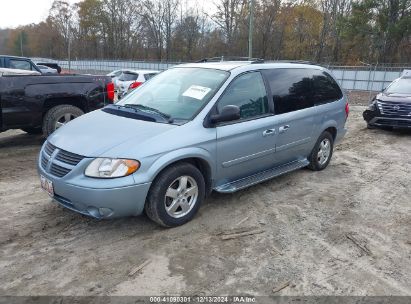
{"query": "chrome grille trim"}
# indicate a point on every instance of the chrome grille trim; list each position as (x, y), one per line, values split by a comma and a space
(394, 108)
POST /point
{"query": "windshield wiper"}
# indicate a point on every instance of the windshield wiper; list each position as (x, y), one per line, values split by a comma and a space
(143, 107)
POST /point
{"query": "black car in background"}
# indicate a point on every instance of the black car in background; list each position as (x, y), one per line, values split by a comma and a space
(51, 65)
(392, 107)
(43, 103)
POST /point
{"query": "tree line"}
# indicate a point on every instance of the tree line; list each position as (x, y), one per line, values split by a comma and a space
(327, 31)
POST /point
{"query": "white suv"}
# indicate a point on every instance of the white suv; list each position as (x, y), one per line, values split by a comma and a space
(131, 79)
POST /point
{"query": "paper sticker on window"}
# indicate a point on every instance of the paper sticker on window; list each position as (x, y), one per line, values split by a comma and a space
(197, 92)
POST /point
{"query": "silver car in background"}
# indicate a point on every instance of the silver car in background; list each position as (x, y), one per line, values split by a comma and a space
(192, 129)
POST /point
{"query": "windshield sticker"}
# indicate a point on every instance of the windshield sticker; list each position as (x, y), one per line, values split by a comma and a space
(197, 92)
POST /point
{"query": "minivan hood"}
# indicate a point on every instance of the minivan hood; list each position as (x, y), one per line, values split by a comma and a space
(96, 132)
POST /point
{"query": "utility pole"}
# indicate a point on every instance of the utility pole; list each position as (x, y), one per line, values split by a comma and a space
(250, 30)
(68, 42)
(21, 43)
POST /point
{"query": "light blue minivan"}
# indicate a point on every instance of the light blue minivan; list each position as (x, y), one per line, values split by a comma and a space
(192, 129)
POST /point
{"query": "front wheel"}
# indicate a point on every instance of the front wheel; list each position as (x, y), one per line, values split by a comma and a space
(58, 116)
(175, 195)
(321, 154)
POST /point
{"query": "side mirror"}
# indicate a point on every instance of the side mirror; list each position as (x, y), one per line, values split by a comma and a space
(228, 113)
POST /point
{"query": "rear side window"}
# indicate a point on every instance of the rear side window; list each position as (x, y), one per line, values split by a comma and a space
(291, 89)
(128, 76)
(297, 89)
(248, 93)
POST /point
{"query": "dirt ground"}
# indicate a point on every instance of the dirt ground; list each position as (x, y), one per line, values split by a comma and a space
(343, 231)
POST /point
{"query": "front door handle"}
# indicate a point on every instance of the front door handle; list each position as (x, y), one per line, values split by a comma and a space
(283, 129)
(268, 132)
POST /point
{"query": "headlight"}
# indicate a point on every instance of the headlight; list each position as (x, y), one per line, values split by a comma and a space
(111, 167)
(373, 105)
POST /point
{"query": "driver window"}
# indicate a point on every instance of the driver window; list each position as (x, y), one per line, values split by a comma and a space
(248, 93)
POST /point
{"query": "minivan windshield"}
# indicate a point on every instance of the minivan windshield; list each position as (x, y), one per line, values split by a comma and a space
(401, 86)
(178, 93)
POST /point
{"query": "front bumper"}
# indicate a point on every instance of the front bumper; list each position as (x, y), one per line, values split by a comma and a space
(107, 201)
(375, 118)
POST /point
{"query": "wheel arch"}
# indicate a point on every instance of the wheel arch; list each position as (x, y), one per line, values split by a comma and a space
(76, 101)
(329, 126)
(197, 157)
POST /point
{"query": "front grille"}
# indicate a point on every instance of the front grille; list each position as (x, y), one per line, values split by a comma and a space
(49, 148)
(68, 157)
(44, 161)
(394, 108)
(59, 171)
(62, 161)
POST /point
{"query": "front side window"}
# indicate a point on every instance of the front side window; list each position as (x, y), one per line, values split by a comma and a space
(20, 64)
(178, 92)
(248, 93)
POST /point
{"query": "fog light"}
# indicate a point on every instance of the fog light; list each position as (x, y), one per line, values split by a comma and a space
(94, 212)
(105, 212)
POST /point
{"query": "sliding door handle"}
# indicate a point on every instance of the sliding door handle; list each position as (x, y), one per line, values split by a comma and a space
(269, 132)
(283, 129)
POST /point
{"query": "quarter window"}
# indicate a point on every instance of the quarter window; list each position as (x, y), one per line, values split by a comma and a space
(248, 93)
(325, 89)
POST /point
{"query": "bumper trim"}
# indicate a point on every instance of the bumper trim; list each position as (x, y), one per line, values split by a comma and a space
(390, 122)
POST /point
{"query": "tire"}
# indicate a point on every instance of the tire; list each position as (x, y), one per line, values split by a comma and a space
(166, 191)
(318, 163)
(370, 126)
(33, 130)
(59, 115)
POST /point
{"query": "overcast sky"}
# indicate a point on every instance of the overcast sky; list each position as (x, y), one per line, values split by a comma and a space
(14, 13)
(21, 12)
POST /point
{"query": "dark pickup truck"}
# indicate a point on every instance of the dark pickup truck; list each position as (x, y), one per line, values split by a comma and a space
(41, 104)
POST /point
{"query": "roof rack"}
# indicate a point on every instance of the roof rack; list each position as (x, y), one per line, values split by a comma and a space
(295, 61)
(231, 58)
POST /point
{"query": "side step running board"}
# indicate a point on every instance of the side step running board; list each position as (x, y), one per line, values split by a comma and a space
(260, 177)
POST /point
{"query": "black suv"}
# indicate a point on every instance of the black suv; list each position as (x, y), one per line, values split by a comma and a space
(392, 107)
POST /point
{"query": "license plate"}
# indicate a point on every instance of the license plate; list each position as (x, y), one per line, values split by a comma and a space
(47, 185)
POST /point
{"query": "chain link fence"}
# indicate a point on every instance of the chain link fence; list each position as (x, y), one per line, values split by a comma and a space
(367, 77)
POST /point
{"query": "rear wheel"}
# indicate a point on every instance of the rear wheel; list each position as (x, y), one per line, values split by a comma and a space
(58, 116)
(176, 195)
(321, 154)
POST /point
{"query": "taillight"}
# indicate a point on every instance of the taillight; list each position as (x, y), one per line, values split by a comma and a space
(134, 85)
(347, 110)
(110, 91)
